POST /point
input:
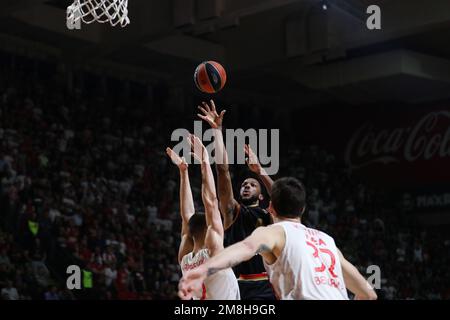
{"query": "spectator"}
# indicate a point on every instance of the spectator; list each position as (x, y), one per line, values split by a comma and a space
(110, 274)
(9, 292)
(52, 294)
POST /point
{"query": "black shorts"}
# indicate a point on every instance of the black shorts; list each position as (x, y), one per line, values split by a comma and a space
(256, 290)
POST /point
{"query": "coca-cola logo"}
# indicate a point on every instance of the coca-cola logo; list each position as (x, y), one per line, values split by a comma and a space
(426, 139)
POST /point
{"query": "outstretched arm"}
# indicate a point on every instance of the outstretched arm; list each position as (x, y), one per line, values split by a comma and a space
(254, 166)
(355, 282)
(262, 241)
(214, 234)
(227, 203)
(187, 209)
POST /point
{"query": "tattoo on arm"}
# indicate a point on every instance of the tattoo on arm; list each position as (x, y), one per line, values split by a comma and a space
(262, 248)
(212, 271)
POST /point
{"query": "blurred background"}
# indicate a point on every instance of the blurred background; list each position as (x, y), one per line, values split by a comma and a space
(86, 115)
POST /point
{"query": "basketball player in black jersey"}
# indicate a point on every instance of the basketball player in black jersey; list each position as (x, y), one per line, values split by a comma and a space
(241, 218)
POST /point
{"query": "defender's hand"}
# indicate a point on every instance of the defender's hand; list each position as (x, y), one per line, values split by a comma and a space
(179, 162)
(198, 149)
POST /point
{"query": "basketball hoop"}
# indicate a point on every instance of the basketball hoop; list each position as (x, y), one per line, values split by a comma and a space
(113, 11)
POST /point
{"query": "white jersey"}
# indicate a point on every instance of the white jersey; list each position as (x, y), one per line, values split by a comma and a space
(222, 285)
(308, 268)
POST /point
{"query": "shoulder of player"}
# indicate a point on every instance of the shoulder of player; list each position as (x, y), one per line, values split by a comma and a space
(273, 235)
(184, 259)
(272, 229)
(233, 216)
(187, 256)
(255, 210)
(325, 235)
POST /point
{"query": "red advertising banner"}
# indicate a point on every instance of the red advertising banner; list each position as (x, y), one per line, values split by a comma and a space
(395, 146)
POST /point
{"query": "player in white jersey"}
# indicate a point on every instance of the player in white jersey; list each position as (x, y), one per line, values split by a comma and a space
(202, 234)
(302, 263)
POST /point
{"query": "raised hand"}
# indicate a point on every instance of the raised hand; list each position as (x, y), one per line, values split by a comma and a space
(210, 115)
(198, 149)
(179, 162)
(252, 161)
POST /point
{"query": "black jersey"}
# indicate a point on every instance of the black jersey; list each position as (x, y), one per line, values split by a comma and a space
(246, 220)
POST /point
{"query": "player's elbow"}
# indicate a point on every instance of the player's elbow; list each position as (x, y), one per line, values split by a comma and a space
(372, 295)
(249, 248)
(369, 295)
(210, 201)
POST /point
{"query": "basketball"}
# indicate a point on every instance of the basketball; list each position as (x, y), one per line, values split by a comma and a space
(210, 77)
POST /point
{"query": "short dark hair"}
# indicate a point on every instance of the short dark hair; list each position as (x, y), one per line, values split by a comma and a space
(197, 225)
(288, 197)
(257, 179)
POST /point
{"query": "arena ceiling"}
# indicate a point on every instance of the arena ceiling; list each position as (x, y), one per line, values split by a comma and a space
(289, 47)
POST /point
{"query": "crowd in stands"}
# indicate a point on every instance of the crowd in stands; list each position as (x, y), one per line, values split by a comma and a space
(85, 181)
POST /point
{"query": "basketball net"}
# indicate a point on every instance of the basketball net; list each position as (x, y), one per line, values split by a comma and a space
(113, 11)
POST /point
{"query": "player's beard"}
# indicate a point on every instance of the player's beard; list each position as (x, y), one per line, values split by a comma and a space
(249, 201)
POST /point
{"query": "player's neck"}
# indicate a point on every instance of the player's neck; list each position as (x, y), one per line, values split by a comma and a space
(198, 245)
(281, 219)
